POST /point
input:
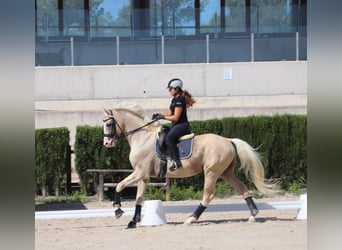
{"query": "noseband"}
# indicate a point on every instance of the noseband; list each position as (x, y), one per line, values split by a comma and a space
(123, 134)
(112, 133)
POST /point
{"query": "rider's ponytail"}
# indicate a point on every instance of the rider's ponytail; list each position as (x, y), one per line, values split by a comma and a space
(188, 99)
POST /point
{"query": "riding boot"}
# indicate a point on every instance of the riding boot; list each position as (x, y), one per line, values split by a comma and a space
(174, 153)
(176, 163)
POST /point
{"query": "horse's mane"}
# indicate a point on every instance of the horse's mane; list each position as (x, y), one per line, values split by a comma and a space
(134, 108)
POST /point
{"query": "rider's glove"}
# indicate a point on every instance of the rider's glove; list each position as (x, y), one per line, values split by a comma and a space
(157, 116)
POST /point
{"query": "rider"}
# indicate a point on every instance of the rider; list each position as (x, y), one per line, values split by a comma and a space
(177, 114)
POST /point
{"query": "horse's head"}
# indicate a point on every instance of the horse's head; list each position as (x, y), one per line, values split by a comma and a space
(110, 134)
(127, 121)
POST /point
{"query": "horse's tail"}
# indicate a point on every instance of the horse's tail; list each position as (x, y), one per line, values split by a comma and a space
(253, 168)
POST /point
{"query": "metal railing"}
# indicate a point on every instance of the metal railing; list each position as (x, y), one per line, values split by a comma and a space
(166, 50)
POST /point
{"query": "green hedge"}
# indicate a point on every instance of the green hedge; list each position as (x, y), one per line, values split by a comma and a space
(91, 154)
(52, 155)
(281, 140)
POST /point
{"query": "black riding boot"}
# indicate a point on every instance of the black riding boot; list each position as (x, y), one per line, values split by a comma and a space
(174, 153)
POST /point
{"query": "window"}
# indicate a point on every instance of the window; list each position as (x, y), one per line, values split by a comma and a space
(235, 16)
(110, 18)
(173, 18)
(47, 18)
(271, 16)
(210, 12)
(151, 18)
(74, 18)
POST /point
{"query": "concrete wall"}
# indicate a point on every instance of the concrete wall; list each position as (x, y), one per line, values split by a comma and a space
(149, 81)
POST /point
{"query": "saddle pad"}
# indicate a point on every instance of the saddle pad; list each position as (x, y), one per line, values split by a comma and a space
(184, 147)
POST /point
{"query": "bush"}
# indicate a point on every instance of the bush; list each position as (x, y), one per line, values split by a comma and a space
(91, 154)
(52, 156)
(184, 193)
(223, 190)
(154, 193)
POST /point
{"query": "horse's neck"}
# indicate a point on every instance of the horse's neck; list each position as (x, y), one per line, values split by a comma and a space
(131, 122)
(143, 135)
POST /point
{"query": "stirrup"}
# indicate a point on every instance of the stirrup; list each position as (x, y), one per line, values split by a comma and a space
(175, 165)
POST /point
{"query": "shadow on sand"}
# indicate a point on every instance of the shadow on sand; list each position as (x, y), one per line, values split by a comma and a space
(257, 220)
(57, 206)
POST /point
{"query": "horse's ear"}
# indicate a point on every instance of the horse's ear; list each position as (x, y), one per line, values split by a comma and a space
(105, 111)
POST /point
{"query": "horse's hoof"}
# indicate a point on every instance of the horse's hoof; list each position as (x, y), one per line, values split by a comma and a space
(251, 219)
(190, 221)
(119, 212)
(132, 224)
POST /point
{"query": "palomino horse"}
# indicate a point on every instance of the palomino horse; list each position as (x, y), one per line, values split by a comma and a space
(213, 154)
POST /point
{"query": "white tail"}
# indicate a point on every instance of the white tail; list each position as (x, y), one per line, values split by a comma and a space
(253, 168)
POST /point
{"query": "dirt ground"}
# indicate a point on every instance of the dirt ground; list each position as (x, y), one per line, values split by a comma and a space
(273, 229)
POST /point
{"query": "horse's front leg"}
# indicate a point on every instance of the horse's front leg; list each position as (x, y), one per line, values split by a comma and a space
(138, 203)
(131, 179)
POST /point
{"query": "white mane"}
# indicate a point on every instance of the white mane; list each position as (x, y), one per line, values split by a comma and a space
(135, 108)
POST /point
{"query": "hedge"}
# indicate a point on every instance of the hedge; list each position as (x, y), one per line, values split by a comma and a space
(91, 154)
(52, 157)
(281, 139)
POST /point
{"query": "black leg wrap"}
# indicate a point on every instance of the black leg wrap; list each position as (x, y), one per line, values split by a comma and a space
(137, 213)
(117, 199)
(117, 202)
(252, 207)
(199, 210)
(136, 217)
(163, 163)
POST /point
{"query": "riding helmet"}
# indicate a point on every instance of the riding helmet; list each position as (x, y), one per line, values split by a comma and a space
(174, 83)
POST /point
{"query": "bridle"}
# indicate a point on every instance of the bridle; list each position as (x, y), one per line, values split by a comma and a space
(113, 134)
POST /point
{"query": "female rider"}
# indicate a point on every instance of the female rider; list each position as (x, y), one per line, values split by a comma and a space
(177, 114)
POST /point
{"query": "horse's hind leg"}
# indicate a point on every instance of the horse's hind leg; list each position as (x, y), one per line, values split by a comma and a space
(208, 195)
(230, 177)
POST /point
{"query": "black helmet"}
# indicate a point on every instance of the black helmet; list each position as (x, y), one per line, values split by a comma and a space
(174, 83)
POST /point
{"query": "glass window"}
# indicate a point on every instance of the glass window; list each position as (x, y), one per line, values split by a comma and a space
(271, 16)
(74, 17)
(210, 16)
(156, 17)
(110, 18)
(47, 18)
(235, 16)
(177, 18)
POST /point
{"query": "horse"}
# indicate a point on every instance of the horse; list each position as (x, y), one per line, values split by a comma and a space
(212, 154)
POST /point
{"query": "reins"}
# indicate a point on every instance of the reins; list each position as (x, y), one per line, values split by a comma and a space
(137, 129)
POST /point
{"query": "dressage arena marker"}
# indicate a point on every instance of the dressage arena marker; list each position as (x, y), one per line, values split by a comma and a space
(302, 213)
(154, 214)
(301, 205)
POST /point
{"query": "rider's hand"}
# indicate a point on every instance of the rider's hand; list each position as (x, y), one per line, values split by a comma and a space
(157, 116)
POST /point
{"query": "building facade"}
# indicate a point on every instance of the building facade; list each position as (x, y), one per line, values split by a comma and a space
(109, 32)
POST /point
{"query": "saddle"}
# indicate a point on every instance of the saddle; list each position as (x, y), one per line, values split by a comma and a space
(184, 145)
